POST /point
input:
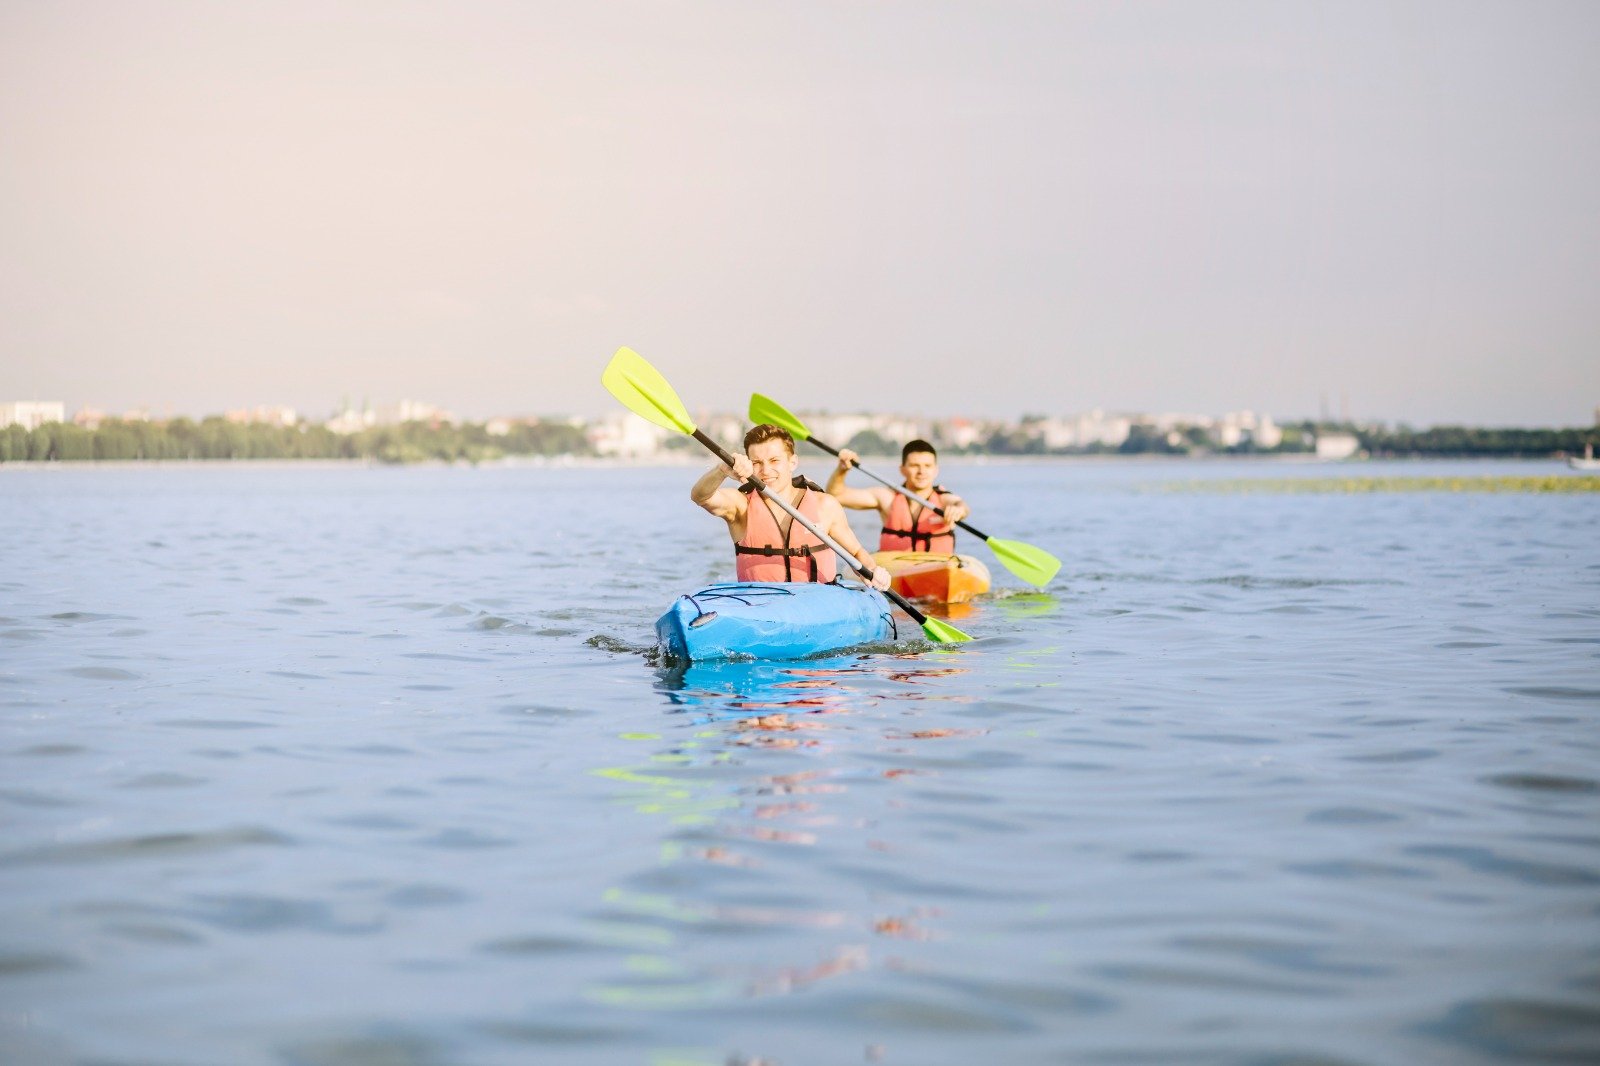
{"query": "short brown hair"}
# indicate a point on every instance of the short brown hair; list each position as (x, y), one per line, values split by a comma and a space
(767, 431)
(916, 447)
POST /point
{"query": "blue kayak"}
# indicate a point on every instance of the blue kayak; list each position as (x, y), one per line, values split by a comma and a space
(787, 620)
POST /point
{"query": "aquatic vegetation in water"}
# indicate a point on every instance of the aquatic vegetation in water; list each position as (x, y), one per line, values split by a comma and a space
(1551, 483)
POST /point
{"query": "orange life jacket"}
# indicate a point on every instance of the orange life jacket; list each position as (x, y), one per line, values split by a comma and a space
(899, 535)
(766, 554)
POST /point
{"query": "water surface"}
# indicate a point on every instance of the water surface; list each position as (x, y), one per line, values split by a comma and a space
(327, 764)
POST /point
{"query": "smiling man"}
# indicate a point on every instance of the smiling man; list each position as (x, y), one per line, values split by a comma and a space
(907, 526)
(768, 544)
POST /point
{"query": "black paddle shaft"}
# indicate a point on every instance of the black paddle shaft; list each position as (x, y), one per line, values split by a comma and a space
(902, 490)
(855, 564)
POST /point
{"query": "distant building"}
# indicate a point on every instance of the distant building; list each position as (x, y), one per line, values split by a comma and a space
(31, 414)
(92, 418)
(837, 430)
(498, 427)
(414, 411)
(626, 436)
(349, 420)
(1246, 427)
(1055, 433)
(958, 432)
(727, 430)
(899, 429)
(1097, 427)
(1168, 421)
(264, 415)
(1094, 429)
(1337, 445)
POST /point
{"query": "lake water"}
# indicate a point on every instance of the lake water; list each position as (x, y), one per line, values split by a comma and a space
(345, 765)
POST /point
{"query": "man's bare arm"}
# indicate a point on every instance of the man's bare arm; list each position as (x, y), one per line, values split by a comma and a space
(855, 499)
(710, 493)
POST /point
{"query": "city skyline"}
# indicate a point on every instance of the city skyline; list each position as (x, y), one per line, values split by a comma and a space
(1055, 427)
(1001, 208)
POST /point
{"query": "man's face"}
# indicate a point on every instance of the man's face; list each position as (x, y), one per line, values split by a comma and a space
(920, 470)
(774, 463)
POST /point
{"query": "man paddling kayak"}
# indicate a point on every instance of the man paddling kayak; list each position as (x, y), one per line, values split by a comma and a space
(907, 526)
(768, 544)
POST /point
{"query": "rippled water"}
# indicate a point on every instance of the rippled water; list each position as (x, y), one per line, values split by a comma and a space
(318, 765)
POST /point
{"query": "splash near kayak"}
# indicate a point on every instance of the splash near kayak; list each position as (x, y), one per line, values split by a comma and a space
(933, 577)
(788, 620)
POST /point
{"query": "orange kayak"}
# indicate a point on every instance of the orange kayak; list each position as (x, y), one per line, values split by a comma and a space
(933, 577)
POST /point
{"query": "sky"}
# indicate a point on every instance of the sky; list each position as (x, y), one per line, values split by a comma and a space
(988, 208)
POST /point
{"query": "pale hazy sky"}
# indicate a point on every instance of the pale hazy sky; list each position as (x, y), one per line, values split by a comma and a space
(945, 208)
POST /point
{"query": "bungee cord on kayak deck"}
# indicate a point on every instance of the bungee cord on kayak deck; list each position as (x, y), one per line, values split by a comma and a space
(745, 595)
(742, 604)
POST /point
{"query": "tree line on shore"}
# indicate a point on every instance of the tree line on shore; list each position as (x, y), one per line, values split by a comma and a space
(217, 438)
(1397, 442)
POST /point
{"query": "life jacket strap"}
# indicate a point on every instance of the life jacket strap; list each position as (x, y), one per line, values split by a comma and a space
(810, 551)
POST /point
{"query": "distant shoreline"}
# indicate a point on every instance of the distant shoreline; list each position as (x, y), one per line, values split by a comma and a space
(689, 460)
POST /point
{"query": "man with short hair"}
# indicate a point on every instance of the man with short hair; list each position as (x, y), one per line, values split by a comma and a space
(768, 544)
(907, 526)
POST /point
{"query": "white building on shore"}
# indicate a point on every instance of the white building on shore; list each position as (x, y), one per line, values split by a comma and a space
(31, 414)
(349, 420)
(624, 435)
(264, 415)
(958, 432)
(1337, 445)
(1085, 430)
(838, 430)
(1246, 427)
(414, 411)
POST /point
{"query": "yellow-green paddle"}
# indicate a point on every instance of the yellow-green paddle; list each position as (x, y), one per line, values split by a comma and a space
(1033, 565)
(642, 390)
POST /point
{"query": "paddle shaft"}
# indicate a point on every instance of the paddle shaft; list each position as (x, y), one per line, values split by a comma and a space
(855, 564)
(901, 489)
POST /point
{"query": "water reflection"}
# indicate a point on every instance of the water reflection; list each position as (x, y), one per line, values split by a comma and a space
(747, 834)
(741, 689)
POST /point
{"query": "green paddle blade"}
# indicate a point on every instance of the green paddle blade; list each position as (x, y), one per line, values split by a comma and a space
(1033, 565)
(641, 389)
(942, 632)
(765, 409)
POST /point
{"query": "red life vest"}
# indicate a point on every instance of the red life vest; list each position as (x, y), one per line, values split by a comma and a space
(766, 554)
(899, 535)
